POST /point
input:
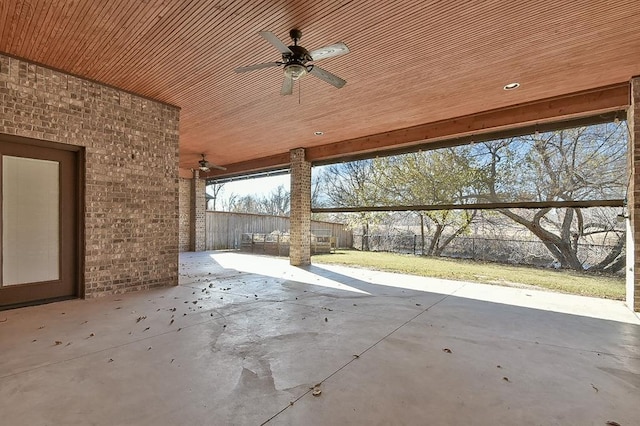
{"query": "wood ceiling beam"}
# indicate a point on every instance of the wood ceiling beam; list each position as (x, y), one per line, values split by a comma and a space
(272, 162)
(556, 109)
(575, 109)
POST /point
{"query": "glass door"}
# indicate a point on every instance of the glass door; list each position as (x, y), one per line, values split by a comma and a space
(38, 224)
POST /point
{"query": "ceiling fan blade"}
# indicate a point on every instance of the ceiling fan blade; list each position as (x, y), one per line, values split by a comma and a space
(275, 41)
(215, 166)
(337, 49)
(325, 75)
(258, 66)
(287, 86)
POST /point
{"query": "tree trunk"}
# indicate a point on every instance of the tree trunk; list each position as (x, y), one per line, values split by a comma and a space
(560, 250)
(365, 237)
(460, 230)
(434, 241)
(613, 262)
(421, 234)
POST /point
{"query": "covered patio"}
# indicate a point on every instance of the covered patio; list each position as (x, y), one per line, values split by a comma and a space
(248, 339)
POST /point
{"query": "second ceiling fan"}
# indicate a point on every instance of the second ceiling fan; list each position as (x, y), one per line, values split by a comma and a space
(295, 60)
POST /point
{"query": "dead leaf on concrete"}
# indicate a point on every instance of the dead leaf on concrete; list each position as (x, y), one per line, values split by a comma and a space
(447, 350)
(506, 379)
(594, 388)
(316, 391)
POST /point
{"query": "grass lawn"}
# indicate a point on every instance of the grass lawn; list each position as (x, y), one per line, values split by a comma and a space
(573, 282)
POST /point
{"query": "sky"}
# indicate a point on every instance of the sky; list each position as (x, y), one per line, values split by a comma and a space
(257, 186)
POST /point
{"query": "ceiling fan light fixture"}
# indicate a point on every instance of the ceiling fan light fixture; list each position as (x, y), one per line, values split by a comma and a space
(295, 71)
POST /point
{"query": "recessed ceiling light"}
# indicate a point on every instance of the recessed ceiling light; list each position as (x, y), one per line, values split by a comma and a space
(511, 86)
(318, 133)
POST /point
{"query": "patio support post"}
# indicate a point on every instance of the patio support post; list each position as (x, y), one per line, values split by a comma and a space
(300, 244)
(633, 198)
(197, 219)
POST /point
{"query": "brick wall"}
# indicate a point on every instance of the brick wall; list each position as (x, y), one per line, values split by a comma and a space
(192, 213)
(633, 195)
(185, 215)
(131, 183)
(300, 250)
(198, 213)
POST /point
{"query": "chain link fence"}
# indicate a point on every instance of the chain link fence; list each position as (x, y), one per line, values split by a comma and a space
(511, 251)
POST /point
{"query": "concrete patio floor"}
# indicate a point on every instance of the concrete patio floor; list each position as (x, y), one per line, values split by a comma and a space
(244, 339)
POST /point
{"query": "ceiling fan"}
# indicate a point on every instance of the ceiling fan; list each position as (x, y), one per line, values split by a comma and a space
(295, 61)
(205, 166)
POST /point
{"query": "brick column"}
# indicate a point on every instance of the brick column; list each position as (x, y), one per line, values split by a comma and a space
(197, 222)
(300, 248)
(633, 198)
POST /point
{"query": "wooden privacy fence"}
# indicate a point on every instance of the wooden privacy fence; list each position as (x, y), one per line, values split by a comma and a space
(224, 229)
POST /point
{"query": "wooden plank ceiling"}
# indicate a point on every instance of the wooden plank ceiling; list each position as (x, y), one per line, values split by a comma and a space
(411, 63)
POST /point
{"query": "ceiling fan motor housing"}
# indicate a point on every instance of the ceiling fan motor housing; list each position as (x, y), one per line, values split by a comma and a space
(295, 61)
(295, 35)
(298, 54)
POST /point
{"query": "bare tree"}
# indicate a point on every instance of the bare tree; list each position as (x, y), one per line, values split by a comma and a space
(215, 190)
(572, 164)
(276, 203)
(353, 184)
